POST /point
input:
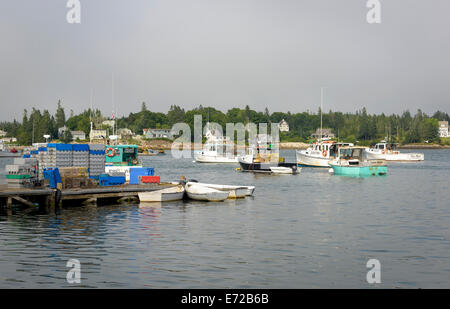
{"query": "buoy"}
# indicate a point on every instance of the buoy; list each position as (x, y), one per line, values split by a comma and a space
(331, 170)
(238, 169)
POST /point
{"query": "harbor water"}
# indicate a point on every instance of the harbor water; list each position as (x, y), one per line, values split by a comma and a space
(312, 230)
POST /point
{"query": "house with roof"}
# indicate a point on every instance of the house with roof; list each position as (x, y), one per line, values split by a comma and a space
(283, 126)
(158, 133)
(443, 129)
(78, 135)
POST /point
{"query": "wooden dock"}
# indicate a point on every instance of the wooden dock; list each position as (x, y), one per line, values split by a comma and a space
(46, 197)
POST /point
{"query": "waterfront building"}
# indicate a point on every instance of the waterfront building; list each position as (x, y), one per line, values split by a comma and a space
(283, 126)
(443, 129)
(98, 135)
(158, 133)
(78, 135)
(125, 133)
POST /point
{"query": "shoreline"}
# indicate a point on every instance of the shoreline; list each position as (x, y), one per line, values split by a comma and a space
(166, 145)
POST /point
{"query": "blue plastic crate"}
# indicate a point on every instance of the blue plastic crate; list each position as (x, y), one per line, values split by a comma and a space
(64, 147)
(52, 174)
(106, 181)
(135, 172)
(80, 147)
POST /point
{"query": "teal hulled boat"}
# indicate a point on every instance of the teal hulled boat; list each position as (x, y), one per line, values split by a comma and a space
(352, 161)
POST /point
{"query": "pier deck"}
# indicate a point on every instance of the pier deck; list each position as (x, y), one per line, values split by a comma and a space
(52, 197)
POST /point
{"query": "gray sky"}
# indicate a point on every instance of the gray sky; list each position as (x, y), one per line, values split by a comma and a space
(225, 53)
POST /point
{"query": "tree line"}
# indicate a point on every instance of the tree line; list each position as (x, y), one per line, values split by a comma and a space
(351, 127)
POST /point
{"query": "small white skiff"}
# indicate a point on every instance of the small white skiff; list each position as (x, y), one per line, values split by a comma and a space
(164, 195)
(235, 191)
(284, 170)
(199, 192)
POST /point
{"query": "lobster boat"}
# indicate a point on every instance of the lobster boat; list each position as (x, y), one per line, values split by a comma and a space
(319, 154)
(387, 151)
(353, 161)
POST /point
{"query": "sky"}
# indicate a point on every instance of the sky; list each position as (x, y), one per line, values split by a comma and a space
(224, 53)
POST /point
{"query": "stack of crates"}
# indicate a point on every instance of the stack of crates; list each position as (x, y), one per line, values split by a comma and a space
(23, 172)
(50, 158)
(80, 155)
(96, 160)
(63, 155)
(42, 158)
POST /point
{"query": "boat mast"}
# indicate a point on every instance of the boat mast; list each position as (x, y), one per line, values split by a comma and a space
(91, 118)
(321, 112)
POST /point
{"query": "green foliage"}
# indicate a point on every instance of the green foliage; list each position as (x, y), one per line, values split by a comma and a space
(67, 137)
(349, 127)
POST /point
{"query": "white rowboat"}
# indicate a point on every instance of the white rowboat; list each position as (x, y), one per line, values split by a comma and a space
(235, 191)
(199, 192)
(163, 195)
(283, 170)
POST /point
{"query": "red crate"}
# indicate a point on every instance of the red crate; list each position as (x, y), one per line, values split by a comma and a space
(149, 179)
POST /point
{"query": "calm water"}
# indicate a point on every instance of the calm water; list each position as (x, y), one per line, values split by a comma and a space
(304, 231)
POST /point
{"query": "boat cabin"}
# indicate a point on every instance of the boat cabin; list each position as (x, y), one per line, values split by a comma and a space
(122, 155)
(328, 148)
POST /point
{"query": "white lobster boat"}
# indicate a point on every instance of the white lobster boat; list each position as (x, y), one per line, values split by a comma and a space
(217, 149)
(387, 151)
(319, 154)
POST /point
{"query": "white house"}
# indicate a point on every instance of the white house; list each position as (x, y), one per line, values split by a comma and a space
(78, 135)
(158, 133)
(98, 134)
(283, 126)
(125, 133)
(109, 123)
(2, 133)
(443, 129)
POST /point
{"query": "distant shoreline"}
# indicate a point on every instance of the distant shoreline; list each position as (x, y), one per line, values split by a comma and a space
(167, 145)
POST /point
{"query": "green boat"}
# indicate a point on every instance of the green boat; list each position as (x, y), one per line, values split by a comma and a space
(353, 161)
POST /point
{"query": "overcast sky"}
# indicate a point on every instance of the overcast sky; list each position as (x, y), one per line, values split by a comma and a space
(225, 53)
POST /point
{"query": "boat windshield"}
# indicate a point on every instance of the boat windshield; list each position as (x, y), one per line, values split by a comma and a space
(349, 154)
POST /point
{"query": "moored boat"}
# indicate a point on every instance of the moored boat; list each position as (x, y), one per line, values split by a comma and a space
(234, 191)
(202, 193)
(216, 150)
(353, 161)
(262, 154)
(284, 170)
(175, 193)
(387, 151)
(319, 154)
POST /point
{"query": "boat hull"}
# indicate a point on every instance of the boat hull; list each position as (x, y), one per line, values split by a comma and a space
(234, 191)
(163, 195)
(201, 193)
(312, 161)
(214, 159)
(359, 171)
